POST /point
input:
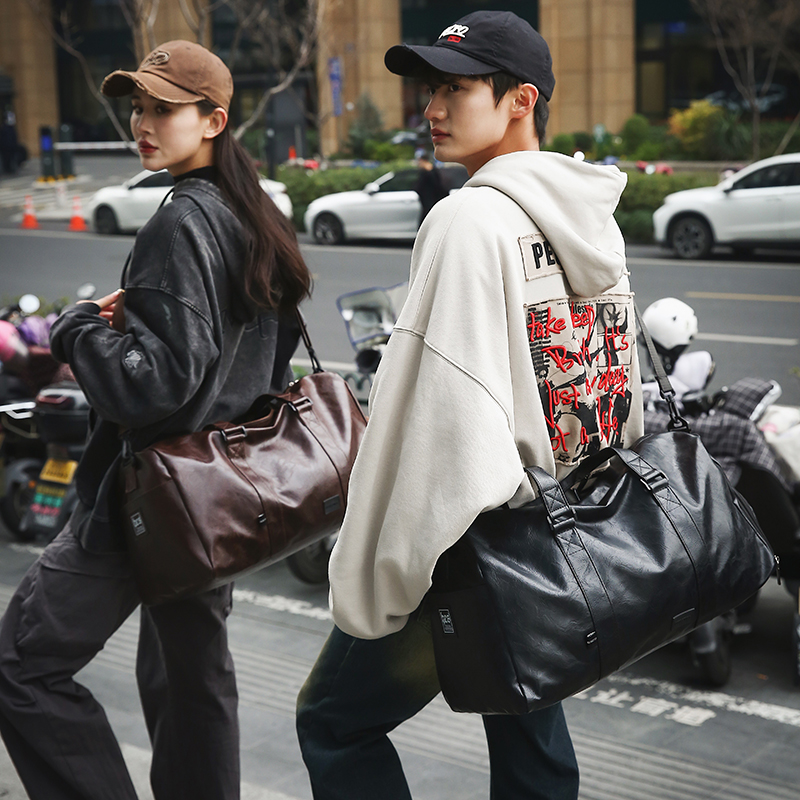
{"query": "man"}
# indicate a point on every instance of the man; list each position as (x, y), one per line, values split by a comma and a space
(514, 347)
(430, 186)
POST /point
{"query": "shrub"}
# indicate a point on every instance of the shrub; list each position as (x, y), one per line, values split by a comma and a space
(772, 133)
(584, 141)
(386, 151)
(699, 126)
(635, 132)
(648, 151)
(562, 143)
(647, 192)
(636, 226)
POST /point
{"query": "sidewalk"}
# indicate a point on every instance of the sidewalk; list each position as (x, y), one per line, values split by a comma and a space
(52, 201)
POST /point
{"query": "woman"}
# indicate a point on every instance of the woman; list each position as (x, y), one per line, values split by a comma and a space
(206, 327)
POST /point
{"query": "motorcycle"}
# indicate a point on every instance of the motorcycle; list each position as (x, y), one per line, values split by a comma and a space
(44, 418)
(369, 316)
(755, 441)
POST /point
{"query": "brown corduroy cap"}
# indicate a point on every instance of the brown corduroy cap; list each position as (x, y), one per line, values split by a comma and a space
(176, 72)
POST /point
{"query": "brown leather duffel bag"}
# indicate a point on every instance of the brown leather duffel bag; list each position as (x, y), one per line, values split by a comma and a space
(202, 509)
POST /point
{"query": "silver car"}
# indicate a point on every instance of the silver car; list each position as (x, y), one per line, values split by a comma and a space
(387, 208)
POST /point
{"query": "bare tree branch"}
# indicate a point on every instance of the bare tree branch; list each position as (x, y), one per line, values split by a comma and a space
(280, 37)
(65, 41)
(743, 30)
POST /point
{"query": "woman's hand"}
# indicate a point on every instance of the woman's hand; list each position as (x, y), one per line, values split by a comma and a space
(111, 309)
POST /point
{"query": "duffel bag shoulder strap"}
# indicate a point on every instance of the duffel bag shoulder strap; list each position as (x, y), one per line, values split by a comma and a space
(315, 363)
(676, 422)
(561, 519)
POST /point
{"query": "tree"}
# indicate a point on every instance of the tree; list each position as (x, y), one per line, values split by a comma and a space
(283, 33)
(750, 36)
(65, 36)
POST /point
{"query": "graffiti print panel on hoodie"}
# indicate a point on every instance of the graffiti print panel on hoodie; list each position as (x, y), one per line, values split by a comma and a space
(582, 353)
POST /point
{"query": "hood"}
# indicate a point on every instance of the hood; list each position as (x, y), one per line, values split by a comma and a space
(572, 203)
(700, 193)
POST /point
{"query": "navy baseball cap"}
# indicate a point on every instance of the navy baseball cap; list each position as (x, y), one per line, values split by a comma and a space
(481, 43)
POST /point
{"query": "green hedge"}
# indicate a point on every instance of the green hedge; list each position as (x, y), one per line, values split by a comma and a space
(645, 193)
(642, 196)
(303, 186)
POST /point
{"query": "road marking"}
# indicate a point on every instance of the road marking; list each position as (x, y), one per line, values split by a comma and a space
(759, 298)
(714, 700)
(735, 337)
(278, 602)
(665, 262)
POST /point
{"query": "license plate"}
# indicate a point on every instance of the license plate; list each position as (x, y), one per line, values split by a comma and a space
(58, 471)
(47, 503)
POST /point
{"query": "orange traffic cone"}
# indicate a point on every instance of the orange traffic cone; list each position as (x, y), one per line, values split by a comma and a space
(77, 221)
(29, 217)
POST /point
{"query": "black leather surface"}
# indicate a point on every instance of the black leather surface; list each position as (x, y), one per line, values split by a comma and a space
(546, 599)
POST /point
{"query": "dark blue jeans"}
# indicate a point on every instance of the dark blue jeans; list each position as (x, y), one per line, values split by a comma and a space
(359, 690)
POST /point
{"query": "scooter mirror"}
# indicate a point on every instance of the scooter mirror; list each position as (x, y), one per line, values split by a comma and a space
(86, 291)
(29, 304)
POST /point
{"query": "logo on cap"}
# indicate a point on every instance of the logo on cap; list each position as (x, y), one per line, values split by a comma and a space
(155, 59)
(455, 33)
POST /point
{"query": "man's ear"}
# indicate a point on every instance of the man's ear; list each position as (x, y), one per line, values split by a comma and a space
(525, 96)
(215, 123)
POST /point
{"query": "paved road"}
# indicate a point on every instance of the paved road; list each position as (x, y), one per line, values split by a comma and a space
(748, 310)
(650, 733)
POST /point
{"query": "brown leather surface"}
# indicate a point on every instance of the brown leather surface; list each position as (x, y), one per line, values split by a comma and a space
(202, 509)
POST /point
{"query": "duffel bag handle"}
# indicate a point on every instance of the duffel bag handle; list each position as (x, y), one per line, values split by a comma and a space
(653, 478)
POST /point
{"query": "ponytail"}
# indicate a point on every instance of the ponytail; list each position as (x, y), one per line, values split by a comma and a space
(276, 276)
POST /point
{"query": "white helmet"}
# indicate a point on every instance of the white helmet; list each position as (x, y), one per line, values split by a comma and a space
(671, 323)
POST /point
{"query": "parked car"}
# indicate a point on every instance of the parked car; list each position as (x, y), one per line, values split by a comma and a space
(387, 208)
(758, 206)
(125, 208)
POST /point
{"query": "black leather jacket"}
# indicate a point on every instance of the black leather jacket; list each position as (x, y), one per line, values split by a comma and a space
(195, 350)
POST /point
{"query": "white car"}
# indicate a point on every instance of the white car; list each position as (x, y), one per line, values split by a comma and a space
(387, 208)
(759, 206)
(116, 209)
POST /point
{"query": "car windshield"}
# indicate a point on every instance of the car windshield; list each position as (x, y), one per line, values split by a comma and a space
(402, 181)
(152, 180)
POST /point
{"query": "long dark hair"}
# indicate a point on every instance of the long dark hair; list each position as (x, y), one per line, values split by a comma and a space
(276, 275)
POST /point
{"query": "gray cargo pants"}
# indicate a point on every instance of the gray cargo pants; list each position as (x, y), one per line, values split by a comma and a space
(63, 612)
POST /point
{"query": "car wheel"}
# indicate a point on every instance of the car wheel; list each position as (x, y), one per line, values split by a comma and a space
(105, 220)
(328, 229)
(690, 237)
(310, 564)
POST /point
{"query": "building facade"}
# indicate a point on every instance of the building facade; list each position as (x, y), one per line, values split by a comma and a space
(611, 58)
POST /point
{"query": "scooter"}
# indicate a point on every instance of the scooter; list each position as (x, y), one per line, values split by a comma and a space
(44, 418)
(369, 316)
(755, 441)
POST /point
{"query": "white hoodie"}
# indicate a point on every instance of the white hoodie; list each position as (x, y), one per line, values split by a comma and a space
(516, 346)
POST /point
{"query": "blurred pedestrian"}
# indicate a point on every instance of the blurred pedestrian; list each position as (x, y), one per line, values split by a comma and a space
(9, 144)
(206, 327)
(499, 359)
(430, 185)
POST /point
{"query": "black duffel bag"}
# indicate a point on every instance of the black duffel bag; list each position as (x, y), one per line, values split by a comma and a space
(536, 603)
